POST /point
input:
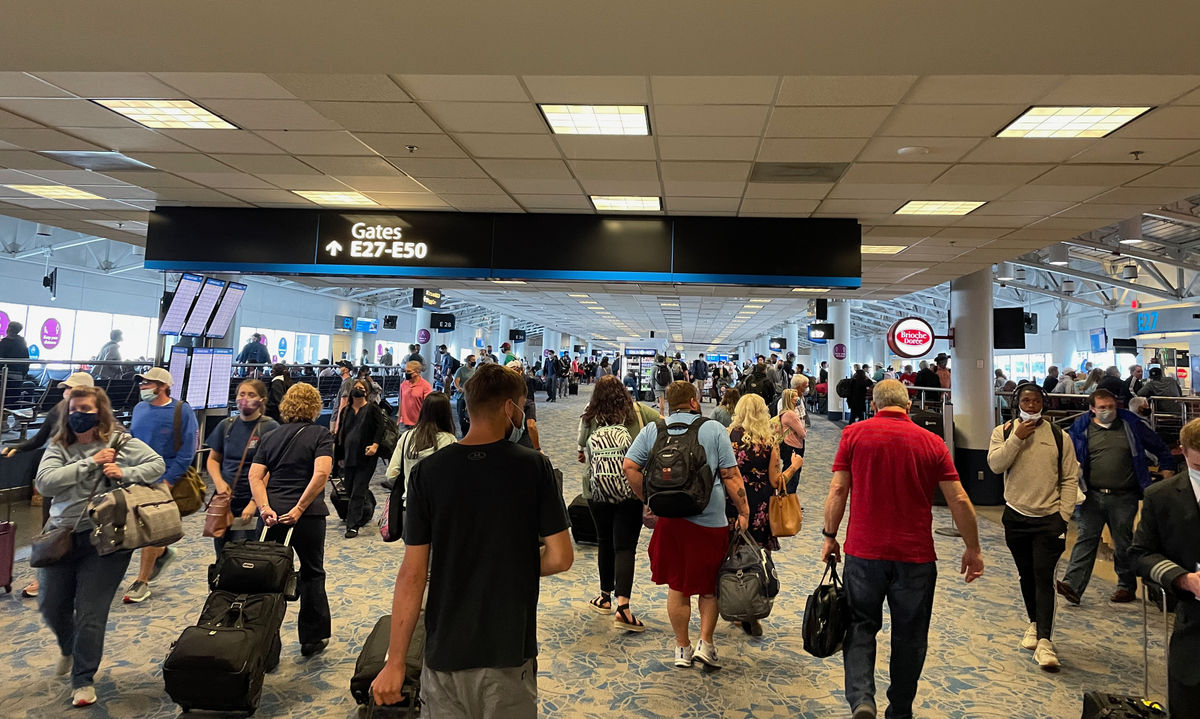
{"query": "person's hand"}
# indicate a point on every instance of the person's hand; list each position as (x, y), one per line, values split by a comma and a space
(1191, 583)
(292, 516)
(371, 449)
(972, 565)
(113, 471)
(269, 517)
(389, 684)
(104, 456)
(1167, 473)
(248, 512)
(797, 461)
(222, 486)
(743, 522)
(10, 451)
(831, 550)
(1024, 429)
(582, 459)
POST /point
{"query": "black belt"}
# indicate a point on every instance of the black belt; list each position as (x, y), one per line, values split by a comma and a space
(1102, 490)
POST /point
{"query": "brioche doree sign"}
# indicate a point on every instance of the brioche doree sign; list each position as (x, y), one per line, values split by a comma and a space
(911, 337)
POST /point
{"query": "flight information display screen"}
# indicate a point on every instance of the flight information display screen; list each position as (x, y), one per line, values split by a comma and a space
(225, 309)
(178, 365)
(218, 383)
(197, 384)
(198, 320)
(189, 287)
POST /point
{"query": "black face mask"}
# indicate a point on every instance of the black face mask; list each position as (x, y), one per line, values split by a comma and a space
(358, 393)
(408, 375)
(471, 363)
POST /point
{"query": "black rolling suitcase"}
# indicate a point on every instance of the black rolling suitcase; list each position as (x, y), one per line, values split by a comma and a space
(219, 664)
(1106, 705)
(371, 660)
(257, 567)
(339, 497)
(8, 545)
(573, 387)
(583, 527)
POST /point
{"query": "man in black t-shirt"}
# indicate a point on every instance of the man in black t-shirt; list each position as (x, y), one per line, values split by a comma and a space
(482, 538)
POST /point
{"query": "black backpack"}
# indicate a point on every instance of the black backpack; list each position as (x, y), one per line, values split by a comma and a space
(843, 388)
(678, 372)
(678, 480)
(756, 384)
(662, 375)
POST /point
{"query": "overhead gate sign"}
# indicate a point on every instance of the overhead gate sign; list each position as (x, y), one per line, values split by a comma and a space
(911, 337)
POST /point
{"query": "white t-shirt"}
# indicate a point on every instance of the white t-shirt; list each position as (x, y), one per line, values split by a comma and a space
(398, 457)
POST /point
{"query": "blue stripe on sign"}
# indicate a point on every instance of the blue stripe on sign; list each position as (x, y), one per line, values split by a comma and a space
(311, 269)
(783, 280)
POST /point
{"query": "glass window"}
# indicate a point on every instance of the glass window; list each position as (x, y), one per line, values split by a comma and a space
(1004, 364)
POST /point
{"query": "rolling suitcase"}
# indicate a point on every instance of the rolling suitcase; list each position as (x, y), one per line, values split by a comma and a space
(8, 545)
(219, 664)
(583, 527)
(339, 497)
(257, 568)
(573, 387)
(371, 660)
(1106, 705)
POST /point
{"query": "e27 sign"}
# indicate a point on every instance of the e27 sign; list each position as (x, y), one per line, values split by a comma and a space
(1147, 321)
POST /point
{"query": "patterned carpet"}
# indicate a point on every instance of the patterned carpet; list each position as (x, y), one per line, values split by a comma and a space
(587, 669)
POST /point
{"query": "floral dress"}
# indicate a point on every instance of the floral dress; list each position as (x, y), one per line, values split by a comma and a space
(754, 462)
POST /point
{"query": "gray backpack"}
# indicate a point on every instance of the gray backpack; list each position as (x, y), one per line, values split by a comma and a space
(746, 582)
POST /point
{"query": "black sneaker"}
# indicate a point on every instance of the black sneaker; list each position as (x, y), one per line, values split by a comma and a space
(314, 648)
(351, 533)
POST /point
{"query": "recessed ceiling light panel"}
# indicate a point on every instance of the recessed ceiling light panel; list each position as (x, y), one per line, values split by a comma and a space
(626, 203)
(882, 249)
(167, 114)
(1068, 122)
(55, 192)
(596, 119)
(938, 207)
(322, 197)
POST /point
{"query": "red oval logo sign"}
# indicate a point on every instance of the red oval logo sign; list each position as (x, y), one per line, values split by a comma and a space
(913, 337)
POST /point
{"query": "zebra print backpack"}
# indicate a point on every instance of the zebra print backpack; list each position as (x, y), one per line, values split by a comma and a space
(606, 448)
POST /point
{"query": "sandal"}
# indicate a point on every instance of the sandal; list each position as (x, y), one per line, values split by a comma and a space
(602, 603)
(625, 619)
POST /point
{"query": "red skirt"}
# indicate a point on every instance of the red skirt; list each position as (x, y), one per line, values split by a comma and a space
(686, 556)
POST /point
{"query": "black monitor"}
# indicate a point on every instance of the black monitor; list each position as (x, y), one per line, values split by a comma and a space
(1008, 328)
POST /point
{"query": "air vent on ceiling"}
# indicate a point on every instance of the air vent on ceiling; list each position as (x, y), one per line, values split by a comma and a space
(97, 161)
(797, 172)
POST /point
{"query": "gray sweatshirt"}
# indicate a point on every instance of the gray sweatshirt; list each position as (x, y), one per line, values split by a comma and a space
(68, 473)
(1034, 483)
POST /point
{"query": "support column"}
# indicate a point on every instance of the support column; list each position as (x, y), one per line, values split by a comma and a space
(883, 353)
(839, 352)
(505, 324)
(1063, 343)
(971, 385)
(791, 333)
(429, 348)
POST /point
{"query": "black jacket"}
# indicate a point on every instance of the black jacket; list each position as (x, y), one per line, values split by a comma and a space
(371, 431)
(15, 348)
(1117, 386)
(1166, 546)
(1050, 383)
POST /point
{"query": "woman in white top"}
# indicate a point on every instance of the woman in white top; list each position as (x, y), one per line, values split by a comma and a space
(434, 430)
(790, 426)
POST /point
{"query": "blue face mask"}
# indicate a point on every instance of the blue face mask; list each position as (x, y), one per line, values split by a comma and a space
(515, 433)
(81, 422)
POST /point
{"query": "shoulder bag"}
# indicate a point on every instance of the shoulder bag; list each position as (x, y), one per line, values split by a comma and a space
(391, 527)
(132, 516)
(188, 490)
(50, 546)
(785, 514)
(218, 516)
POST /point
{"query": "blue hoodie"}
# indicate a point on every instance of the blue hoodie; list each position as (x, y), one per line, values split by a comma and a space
(1141, 438)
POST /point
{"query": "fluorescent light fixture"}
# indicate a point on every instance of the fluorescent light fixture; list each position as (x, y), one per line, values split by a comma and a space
(626, 203)
(1071, 121)
(573, 295)
(596, 119)
(322, 197)
(760, 300)
(588, 302)
(814, 290)
(1058, 256)
(668, 304)
(509, 282)
(882, 249)
(1004, 272)
(55, 192)
(938, 207)
(167, 114)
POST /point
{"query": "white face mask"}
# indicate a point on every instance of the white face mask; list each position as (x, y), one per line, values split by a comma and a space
(1106, 417)
(1026, 417)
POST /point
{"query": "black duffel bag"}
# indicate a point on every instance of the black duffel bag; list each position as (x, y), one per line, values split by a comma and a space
(257, 568)
(826, 615)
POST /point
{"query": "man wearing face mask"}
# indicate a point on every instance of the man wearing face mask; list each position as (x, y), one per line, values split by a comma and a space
(464, 373)
(1166, 550)
(1111, 445)
(476, 511)
(169, 427)
(1040, 489)
(413, 391)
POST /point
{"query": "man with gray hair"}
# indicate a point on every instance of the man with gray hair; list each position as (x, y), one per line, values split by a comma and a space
(891, 467)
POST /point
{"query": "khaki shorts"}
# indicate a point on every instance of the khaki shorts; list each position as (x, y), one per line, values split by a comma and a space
(486, 693)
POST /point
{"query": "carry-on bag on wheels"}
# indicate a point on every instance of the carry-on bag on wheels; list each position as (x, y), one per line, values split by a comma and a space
(746, 583)
(371, 660)
(583, 526)
(257, 568)
(339, 497)
(8, 544)
(219, 664)
(1107, 705)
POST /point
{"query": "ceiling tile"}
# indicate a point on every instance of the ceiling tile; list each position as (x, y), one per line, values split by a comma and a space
(1193, 159)
(527, 169)
(799, 207)
(316, 143)
(240, 141)
(702, 205)
(853, 207)
(950, 120)
(722, 171)
(1010, 149)
(1120, 149)
(180, 161)
(555, 202)
(45, 139)
(541, 187)
(1093, 174)
(442, 185)
(19, 84)
(271, 115)
(642, 188)
(1179, 176)
(132, 139)
(198, 195)
(363, 166)
(75, 176)
(938, 149)
(615, 170)
(883, 173)
(844, 90)
(507, 145)
(407, 200)
(464, 88)
(705, 188)
(396, 144)
(151, 178)
(1002, 207)
(810, 150)
(382, 183)
(111, 85)
(267, 164)
(587, 90)
(370, 88)
(965, 193)
(390, 117)
(788, 191)
(119, 192)
(709, 120)
(487, 117)
(481, 203)
(230, 180)
(431, 167)
(67, 113)
(868, 191)
(1055, 193)
(1146, 195)
(1164, 122)
(1101, 211)
(605, 147)
(9, 120)
(228, 85)
(713, 90)
(995, 174)
(707, 148)
(1123, 90)
(273, 196)
(1076, 224)
(826, 121)
(304, 182)
(980, 89)
(991, 221)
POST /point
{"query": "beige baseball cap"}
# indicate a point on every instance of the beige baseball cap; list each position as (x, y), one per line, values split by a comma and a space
(78, 379)
(157, 374)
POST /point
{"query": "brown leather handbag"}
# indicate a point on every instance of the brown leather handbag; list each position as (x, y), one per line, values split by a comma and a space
(785, 514)
(218, 516)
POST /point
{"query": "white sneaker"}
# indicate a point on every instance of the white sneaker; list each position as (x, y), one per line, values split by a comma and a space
(63, 667)
(683, 656)
(1045, 655)
(707, 654)
(84, 696)
(1030, 640)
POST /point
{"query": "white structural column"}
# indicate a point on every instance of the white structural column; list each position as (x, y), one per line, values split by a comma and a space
(1063, 343)
(791, 333)
(971, 385)
(882, 353)
(429, 349)
(839, 316)
(502, 334)
(551, 340)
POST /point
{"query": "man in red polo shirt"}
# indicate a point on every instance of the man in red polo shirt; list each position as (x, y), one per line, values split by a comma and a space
(889, 467)
(413, 391)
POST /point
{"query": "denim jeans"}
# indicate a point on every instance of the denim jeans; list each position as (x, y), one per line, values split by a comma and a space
(75, 597)
(551, 380)
(1118, 512)
(464, 421)
(908, 589)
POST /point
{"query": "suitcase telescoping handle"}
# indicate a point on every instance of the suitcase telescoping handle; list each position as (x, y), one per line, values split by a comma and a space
(1146, 638)
(287, 538)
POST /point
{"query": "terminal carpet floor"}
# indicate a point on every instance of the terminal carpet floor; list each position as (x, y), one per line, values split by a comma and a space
(587, 669)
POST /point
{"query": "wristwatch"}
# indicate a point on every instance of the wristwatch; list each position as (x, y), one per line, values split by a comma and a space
(828, 535)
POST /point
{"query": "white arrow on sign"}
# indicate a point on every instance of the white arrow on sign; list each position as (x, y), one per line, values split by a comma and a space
(334, 247)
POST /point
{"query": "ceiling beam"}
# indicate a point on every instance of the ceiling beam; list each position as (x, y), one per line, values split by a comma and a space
(51, 249)
(1054, 293)
(1135, 253)
(1172, 216)
(1095, 277)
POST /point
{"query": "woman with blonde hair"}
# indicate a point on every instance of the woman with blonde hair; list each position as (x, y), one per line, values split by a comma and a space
(757, 451)
(1092, 382)
(791, 432)
(90, 450)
